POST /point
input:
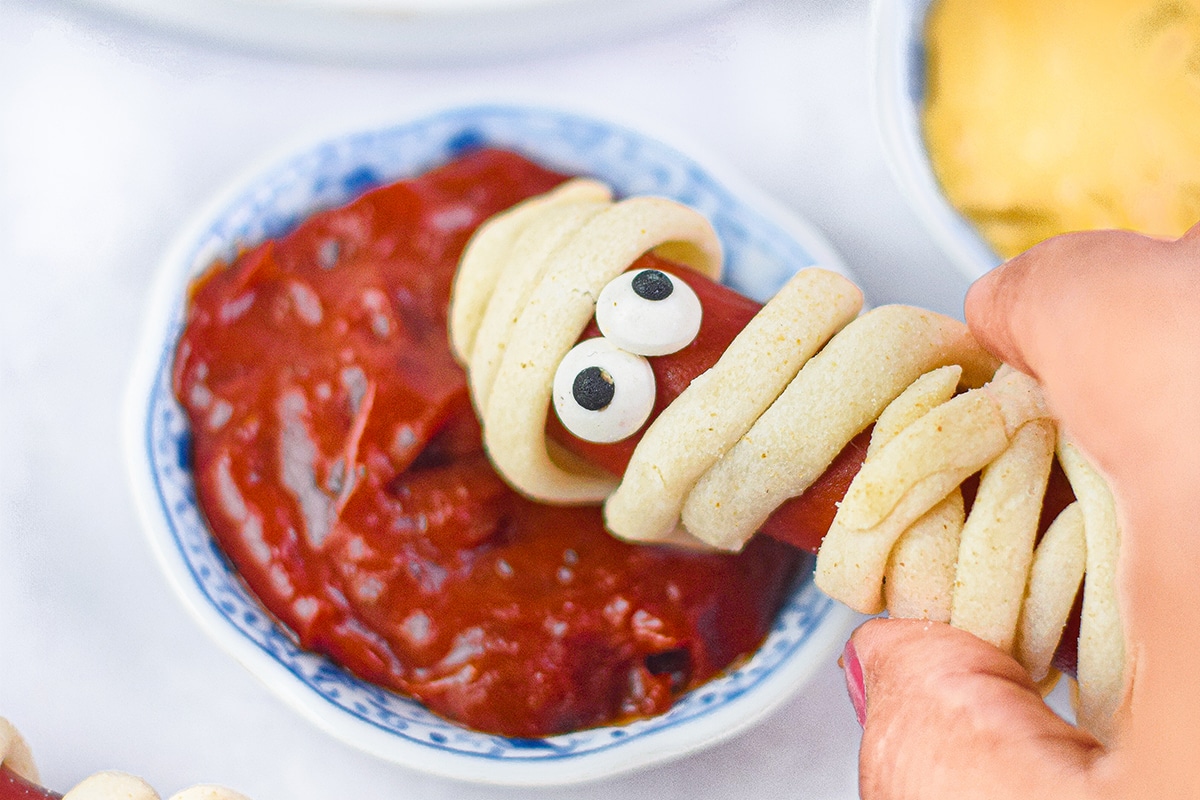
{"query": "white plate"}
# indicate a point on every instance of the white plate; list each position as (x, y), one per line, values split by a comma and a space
(411, 30)
(764, 246)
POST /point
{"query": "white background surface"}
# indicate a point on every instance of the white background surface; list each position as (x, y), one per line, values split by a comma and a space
(113, 133)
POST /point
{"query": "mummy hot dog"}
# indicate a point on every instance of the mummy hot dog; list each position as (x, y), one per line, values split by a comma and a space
(750, 436)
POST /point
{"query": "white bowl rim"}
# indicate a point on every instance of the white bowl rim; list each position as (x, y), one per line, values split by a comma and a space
(897, 37)
(413, 32)
(714, 725)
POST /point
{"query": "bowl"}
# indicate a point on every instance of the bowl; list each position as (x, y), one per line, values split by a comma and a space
(898, 86)
(764, 246)
(412, 32)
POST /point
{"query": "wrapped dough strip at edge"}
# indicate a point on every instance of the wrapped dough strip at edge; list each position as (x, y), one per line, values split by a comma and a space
(16, 756)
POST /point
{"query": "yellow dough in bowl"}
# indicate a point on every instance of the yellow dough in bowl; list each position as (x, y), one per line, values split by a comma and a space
(1046, 117)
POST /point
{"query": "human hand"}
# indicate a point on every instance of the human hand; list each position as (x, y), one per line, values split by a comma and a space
(1109, 324)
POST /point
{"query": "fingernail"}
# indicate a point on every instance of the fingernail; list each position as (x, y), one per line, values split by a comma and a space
(854, 682)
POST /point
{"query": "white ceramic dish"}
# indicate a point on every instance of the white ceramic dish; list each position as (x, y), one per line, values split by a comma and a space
(415, 31)
(898, 46)
(764, 246)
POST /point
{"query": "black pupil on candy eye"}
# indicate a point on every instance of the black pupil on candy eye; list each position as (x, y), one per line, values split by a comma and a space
(593, 388)
(652, 285)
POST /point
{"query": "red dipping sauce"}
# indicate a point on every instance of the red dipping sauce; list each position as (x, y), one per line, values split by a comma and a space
(338, 462)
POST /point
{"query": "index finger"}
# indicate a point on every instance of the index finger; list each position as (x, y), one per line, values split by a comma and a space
(1109, 323)
(1050, 299)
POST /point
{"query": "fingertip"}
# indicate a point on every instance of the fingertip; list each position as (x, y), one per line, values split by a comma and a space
(987, 309)
(866, 633)
(883, 633)
(980, 299)
(855, 684)
(884, 645)
(948, 713)
(992, 306)
(868, 655)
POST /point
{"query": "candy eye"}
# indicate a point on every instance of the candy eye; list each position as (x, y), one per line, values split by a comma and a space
(602, 393)
(648, 312)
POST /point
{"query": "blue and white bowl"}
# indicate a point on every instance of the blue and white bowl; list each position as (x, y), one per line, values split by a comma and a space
(898, 47)
(764, 246)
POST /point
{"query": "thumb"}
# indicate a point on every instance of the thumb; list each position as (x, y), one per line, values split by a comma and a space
(948, 715)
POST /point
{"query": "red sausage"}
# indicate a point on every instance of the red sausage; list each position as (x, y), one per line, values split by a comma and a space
(802, 521)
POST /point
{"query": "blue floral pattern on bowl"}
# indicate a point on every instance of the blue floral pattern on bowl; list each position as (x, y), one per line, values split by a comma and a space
(760, 254)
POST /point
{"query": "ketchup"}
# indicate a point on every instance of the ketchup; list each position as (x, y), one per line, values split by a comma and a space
(338, 463)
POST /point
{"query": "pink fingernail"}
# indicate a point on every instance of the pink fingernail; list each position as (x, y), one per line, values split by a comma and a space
(854, 682)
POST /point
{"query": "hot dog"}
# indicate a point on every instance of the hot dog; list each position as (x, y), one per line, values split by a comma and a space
(918, 468)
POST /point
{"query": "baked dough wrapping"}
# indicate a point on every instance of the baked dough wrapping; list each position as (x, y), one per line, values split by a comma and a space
(808, 374)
